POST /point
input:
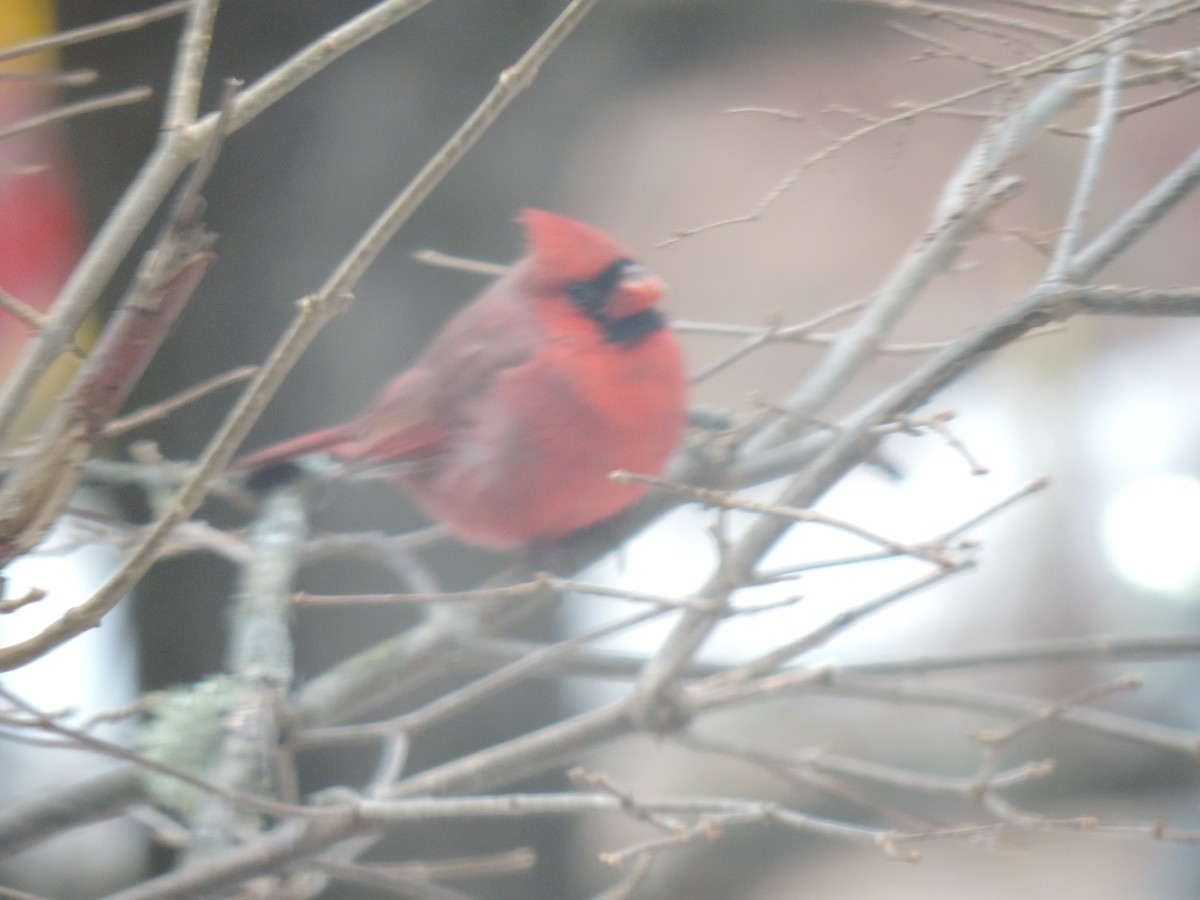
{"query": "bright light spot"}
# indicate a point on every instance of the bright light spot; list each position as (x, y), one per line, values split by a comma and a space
(1151, 530)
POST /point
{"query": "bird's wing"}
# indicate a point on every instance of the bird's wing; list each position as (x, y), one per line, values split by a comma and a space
(399, 426)
(416, 416)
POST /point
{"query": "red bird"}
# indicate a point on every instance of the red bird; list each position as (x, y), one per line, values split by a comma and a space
(507, 427)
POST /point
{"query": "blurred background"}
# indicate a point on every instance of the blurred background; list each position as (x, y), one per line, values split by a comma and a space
(628, 127)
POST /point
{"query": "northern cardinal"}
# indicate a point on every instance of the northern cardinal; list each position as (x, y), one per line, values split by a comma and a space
(507, 427)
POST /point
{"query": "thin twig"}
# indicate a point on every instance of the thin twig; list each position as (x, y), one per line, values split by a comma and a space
(998, 737)
(972, 193)
(116, 25)
(388, 881)
(940, 424)
(82, 739)
(891, 776)
(461, 698)
(544, 584)
(506, 862)
(726, 500)
(961, 15)
(1033, 487)
(507, 591)
(1078, 10)
(1006, 77)
(23, 311)
(769, 335)
(155, 411)
(73, 78)
(12, 604)
(512, 82)
(1099, 137)
(623, 889)
(14, 894)
(818, 637)
(80, 108)
(458, 263)
(1146, 734)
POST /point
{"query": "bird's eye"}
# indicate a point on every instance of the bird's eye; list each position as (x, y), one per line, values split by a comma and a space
(592, 296)
(584, 295)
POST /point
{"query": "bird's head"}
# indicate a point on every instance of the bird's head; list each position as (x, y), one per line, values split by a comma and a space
(599, 276)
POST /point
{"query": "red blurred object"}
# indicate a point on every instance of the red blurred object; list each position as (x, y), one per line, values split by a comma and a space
(40, 229)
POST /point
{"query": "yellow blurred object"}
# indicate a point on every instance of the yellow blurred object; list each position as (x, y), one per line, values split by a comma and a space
(24, 20)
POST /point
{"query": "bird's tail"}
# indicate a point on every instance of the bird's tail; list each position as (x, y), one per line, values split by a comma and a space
(331, 440)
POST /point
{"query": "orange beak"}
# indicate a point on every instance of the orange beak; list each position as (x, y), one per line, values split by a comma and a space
(638, 290)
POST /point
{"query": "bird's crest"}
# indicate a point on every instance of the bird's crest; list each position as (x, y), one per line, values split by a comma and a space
(562, 250)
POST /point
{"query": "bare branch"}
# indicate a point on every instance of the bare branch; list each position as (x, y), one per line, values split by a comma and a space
(259, 659)
(183, 100)
(28, 820)
(1139, 218)
(177, 148)
(35, 492)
